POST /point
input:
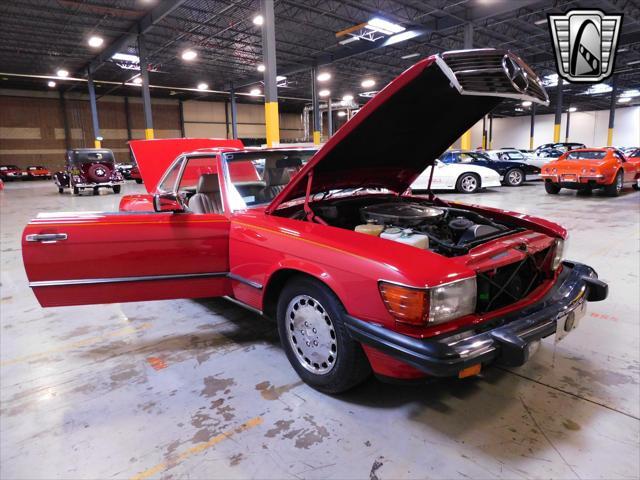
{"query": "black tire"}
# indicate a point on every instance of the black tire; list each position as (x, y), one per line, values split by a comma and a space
(615, 187)
(138, 181)
(60, 190)
(468, 183)
(514, 177)
(96, 191)
(116, 188)
(76, 190)
(552, 188)
(350, 365)
(585, 191)
(636, 186)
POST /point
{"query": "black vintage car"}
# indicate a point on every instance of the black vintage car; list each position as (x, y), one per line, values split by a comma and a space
(89, 168)
(512, 173)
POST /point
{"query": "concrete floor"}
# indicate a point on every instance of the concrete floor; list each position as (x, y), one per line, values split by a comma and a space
(201, 389)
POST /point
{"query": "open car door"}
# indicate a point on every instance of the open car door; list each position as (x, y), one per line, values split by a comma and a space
(95, 257)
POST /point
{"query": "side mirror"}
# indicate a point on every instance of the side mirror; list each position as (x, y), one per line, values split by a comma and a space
(167, 202)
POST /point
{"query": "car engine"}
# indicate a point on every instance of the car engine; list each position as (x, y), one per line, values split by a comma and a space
(449, 230)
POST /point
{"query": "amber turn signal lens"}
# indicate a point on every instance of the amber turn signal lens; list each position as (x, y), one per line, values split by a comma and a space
(470, 371)
(407, 305)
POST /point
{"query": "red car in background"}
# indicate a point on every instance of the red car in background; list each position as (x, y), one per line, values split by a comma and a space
(587, 169)
(134, 174)
(360, 275)
(12, 172)
(36, 172)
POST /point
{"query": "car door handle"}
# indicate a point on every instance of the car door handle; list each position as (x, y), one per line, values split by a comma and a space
(46, 237)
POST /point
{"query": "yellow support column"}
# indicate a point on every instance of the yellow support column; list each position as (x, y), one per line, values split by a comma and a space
(97, 144)
(556, 132)
(465, 140)
(610, 137)
(530, 143)
(316, 137)
(148, 133)
(272, 123)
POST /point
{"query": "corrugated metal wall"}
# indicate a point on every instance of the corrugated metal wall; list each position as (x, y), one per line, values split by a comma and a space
(32, 126)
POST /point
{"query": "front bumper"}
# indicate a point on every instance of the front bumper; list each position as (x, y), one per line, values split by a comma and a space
(102, 184)
(510, 343)
(492, 181)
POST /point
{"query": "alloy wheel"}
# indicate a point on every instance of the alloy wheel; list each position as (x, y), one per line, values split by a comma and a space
(469, 183)
(311, 334)
(515, 177)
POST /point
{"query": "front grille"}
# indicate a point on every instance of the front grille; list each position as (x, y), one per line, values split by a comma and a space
(506, 285)
(483, 71)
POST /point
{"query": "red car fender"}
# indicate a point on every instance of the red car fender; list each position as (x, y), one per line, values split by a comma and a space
(136, 203)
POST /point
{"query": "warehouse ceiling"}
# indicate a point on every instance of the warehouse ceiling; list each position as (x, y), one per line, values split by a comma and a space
(40, 37)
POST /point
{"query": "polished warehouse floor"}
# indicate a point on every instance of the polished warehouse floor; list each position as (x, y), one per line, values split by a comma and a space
(201, 389)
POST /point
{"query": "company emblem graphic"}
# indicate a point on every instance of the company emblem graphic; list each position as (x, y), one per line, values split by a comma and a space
(585, 42)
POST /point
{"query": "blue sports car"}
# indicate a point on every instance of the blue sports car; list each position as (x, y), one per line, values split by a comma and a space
(512, 173)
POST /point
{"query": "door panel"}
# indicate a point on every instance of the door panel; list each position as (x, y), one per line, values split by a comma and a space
(124, 257)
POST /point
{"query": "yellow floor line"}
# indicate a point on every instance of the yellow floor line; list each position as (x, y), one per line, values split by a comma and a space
(200, 447)
(80, 343)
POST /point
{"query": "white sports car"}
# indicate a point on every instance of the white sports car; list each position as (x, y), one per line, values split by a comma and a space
(463, 178)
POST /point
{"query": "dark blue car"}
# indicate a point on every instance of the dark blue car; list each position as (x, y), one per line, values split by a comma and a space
(513, 174)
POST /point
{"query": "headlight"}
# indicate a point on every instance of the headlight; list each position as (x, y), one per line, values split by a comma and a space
(453, 300)
(558, 255)
(422, 307)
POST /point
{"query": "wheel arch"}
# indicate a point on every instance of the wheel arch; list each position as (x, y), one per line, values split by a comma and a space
(279, 277)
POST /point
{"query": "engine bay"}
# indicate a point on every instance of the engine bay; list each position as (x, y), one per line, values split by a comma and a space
(449, 231)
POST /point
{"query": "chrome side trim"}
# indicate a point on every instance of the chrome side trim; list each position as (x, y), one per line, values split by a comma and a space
(240, 279)
(96, 281)
(243, 305)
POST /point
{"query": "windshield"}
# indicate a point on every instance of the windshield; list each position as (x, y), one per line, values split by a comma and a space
(512, 155)
(257, 177)
(586, 155)
(78, 157)
(468, 157)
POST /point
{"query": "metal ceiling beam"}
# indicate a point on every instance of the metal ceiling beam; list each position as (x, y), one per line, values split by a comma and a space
(155, 15)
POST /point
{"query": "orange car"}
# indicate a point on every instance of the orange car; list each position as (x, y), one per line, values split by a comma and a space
(586, 169)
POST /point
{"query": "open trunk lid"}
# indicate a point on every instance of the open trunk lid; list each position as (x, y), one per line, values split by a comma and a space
(154, 156)
(413, 120)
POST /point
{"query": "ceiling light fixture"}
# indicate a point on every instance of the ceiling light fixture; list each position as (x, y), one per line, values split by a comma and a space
(261, 68)
(411, 55)
(540, 22)
(258, 20)
(368, 83)
(347, 98)
(324, 93)
(62, 73)
(342, 113)
(280, 78)
(95, 41)
(384, 26)
(137, 80)
(255, 92)
(323, 77)
(203, 86)
(126, 57)
(189, 55)
(52, 84)
(527, 103)
(572, 109)
(624, 99)
(631, 93)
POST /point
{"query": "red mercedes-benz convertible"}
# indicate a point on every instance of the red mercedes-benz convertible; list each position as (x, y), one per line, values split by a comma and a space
(360, 275)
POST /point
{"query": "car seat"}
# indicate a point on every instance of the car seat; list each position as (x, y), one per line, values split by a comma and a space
(207, 197)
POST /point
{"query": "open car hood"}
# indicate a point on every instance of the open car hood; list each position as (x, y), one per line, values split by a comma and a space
(413, 120)
(154, 156)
